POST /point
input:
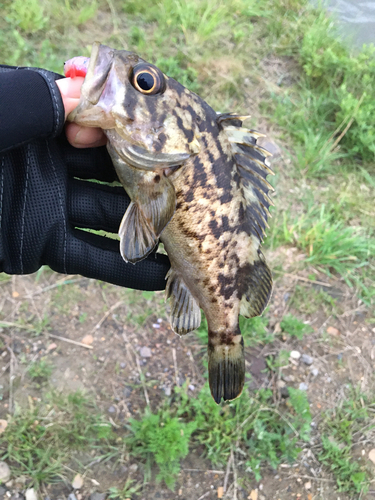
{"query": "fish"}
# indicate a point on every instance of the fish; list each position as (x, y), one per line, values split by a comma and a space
(197, 181)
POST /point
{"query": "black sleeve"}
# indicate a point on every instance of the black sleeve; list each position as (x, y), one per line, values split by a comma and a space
(31, 106)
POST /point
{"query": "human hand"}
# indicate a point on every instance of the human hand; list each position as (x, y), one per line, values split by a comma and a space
(78, 136)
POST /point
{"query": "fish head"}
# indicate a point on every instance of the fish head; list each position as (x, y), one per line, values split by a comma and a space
(147, 116)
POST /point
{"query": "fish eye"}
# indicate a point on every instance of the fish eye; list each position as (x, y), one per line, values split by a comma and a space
(147, 79)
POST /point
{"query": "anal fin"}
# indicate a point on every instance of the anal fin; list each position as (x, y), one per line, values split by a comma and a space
(226, 369)
(258, 290)
(185, 310)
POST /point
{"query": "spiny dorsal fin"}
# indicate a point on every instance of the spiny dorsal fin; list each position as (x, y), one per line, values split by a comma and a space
(251, 161)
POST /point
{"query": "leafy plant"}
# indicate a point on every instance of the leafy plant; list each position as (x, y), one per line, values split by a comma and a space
(294, 327)
(250, 422)
(126, 491)
(40, 371)
(340, 429)
(39, 439)
(160, 439)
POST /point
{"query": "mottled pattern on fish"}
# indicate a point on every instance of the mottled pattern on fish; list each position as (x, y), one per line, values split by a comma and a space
(197, 181)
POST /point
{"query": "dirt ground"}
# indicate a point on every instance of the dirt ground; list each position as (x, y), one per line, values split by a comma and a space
(131, 334)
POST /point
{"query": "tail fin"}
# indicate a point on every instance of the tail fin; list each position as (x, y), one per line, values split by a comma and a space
(226, 368)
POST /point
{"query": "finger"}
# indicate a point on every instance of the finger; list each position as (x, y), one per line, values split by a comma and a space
(96, 206)
(99, 258)
(85, 137)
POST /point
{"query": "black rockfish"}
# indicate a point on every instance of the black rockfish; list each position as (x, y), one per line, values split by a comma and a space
(197, 182)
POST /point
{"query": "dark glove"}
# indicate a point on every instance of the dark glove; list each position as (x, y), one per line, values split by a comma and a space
(42, 202)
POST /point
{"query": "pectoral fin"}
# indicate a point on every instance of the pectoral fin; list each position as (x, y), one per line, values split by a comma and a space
(146, 217)
(185, 311)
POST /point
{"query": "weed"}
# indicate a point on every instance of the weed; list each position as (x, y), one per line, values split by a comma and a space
(294, 327)
(126, 491)
(38, 440)
(161, 439)
(308, 300)
(40, 371)
(28, 15)
(341, 429)
(250, 423)
(329, 244)
(278, 361)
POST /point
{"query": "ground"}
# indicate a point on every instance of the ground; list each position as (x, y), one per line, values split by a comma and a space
(129, 357)
(71, 407)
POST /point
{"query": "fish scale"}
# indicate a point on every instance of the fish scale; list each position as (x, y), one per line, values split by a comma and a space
(197, 183)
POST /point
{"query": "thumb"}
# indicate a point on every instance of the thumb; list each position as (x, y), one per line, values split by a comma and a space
(70, 90)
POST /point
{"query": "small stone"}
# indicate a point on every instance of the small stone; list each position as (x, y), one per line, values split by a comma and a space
(314, 372)
(2, 493)
(191, 387)
(289, 378)
(295, 354)
(303, 386)
(3, 425)
(253, 495)
(280, 384)
(145, 352)
(122, 365)
(87, 339)
(72, 497)
(30, 494)
(371, 455)
(308, 360)
(4, 472)
(167, 391)
(111, 409)
(331, 330)
(156, 325)
(133, 468)
(97, 496)
(51, 347)
(77, 482)
(308, 485)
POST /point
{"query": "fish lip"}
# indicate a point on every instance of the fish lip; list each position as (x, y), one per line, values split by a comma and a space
(139, 157)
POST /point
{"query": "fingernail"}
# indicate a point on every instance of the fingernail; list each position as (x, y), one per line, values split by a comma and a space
(87, 136)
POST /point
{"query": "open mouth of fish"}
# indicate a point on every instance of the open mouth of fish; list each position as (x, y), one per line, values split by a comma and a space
(133, 154)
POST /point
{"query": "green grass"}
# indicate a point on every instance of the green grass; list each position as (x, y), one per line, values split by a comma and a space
(41, 438)
(294, 327)
(40, 371)
(251, 423)
(279, 60)
(309, 300)
(342, 428)
(330, 245)
(160, 439)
